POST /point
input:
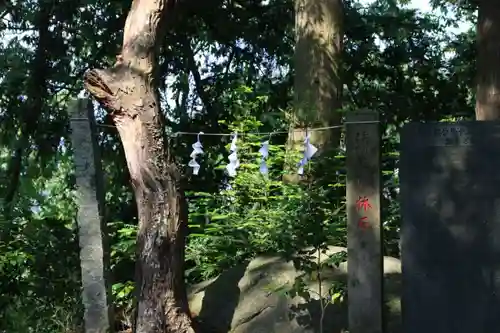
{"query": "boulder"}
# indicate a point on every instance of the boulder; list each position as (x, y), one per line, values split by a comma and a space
(243, 299)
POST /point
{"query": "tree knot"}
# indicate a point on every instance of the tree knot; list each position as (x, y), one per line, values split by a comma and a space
(98, 83)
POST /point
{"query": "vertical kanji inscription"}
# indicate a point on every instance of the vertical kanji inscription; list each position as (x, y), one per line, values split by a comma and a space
(363, 204)
(363, 223)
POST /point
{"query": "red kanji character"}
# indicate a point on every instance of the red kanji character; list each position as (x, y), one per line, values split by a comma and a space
(362, 203)
(362, 223)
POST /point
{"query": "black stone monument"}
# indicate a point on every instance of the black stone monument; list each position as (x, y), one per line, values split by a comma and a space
(450, 207)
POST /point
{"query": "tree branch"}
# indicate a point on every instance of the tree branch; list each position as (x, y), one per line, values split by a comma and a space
(33, 109)
(14, 170)
(229, 61)
(193, 68)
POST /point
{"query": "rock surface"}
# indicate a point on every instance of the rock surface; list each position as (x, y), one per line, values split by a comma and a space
(241, 300)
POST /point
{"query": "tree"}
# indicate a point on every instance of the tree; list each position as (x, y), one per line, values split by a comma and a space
(317, 89)
(488, 71)
(129, 92)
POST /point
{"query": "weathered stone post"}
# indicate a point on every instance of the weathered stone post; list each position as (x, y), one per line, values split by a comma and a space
(91, 228)
(364, 231)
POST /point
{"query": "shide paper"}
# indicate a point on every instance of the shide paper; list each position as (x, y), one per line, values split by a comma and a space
(234, 163)
(264, 153)
(309, 151)
(197, 150)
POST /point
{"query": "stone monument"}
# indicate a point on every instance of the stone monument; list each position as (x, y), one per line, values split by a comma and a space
(450, 208)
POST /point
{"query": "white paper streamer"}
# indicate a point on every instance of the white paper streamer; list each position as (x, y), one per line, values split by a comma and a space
(309, 151)
(234, 163)
(264, 153)
(197, 150)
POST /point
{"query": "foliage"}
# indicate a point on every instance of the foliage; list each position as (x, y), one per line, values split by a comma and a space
(224, 68)
(254, 214)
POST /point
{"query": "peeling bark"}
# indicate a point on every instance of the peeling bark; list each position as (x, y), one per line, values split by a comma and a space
(128, 90)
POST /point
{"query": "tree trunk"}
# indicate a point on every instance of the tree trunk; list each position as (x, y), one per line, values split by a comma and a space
(129, 92)
(33, 108)
(488, 71)
(318, 87)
